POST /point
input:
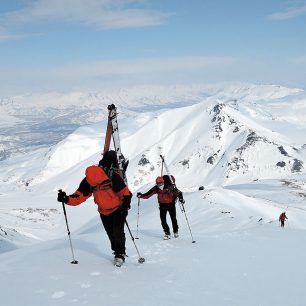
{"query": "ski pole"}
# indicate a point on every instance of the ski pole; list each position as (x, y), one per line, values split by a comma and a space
(73, 261)
(140, 259)
(183, 210)
(137, 219)
(162, 168)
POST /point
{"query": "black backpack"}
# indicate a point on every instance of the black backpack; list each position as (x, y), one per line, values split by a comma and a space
(167, 181)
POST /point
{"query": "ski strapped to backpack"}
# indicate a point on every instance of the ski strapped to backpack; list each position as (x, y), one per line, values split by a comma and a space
(173, 186)
(112, 132)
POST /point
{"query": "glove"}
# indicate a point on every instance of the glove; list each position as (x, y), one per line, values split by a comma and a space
(62, 197)
(139, 194)
(182, 201)
(126, 204)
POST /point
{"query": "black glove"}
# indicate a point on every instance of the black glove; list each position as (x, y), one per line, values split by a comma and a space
(181, 199)
(62, 197)
(139, 194)
(126, 204)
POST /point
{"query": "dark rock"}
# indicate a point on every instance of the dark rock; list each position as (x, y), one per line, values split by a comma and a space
(143, 161)
(297, 166)
(210, 160)
(282, 150)
(185, 162)
(281, 164)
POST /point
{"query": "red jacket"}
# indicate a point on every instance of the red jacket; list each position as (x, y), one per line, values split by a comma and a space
(282, 217)
(109, 194)
(164, 196)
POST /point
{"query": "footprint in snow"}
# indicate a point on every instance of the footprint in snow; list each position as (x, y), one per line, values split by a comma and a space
(85, 285)
(58, 294)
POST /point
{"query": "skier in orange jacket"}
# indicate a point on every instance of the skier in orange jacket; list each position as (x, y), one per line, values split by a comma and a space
(111, 195)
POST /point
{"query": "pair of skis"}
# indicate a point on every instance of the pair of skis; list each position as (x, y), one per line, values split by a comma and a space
(112, 132)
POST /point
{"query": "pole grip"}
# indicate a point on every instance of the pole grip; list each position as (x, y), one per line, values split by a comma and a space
(64, 209)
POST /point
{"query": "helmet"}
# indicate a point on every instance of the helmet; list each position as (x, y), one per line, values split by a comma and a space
(109, 159)
(159, 180)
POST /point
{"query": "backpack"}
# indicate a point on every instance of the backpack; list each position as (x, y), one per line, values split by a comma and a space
(167, 181)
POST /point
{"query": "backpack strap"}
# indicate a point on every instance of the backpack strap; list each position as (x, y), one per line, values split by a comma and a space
(104, 185)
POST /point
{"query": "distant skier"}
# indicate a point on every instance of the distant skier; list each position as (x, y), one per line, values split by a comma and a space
(167, 194)
(112, 197)
(282, 218)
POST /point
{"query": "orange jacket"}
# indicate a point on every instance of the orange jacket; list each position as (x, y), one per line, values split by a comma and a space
(108, 193)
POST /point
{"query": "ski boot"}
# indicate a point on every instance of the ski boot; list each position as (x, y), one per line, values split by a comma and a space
(119, 260)
(167, 236)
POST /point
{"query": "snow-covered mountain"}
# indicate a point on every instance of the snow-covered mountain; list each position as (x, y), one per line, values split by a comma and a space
(41, 120)
(242, 134)
(243, 143)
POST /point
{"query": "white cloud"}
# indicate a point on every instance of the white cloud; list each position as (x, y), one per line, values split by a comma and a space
(299, 60)
(98, 13)
(115, 73)
(290, 13)
(6, 35)
(128, 67)
(101, 75)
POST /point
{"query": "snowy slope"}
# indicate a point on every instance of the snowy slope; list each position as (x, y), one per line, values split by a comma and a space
(242, 143)
(236, 260)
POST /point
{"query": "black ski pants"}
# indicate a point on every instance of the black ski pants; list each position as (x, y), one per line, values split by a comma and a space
(163, 209)
(114, 227)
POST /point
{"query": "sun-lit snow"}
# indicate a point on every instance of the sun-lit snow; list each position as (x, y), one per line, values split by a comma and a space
(242, 143)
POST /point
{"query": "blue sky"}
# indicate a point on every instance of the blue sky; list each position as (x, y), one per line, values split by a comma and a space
(66, 45)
